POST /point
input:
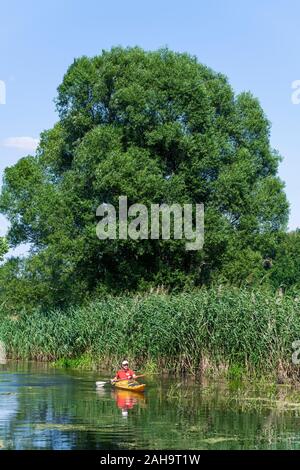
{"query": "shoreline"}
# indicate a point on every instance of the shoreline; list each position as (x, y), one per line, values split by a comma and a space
(214, 332)
(233, 373)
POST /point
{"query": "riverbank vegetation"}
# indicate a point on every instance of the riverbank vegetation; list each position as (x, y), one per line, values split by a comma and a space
(160, 128)
(234, 331)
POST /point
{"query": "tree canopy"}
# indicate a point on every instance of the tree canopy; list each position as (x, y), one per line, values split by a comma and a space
(285, 273)
(158, 127)
(3, 247)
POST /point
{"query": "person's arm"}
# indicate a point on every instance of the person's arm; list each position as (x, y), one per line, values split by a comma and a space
(115, 378)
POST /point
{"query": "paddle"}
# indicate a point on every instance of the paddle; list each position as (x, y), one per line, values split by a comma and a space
(103, 384)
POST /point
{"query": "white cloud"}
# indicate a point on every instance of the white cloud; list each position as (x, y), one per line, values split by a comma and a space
(21, 143)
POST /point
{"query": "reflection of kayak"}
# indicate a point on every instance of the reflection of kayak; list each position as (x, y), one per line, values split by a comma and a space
(130, 385)
(126, 400)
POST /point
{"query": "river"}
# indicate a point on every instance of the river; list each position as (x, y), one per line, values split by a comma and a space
(42, 407)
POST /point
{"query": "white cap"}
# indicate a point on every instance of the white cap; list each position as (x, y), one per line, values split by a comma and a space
(125, 363)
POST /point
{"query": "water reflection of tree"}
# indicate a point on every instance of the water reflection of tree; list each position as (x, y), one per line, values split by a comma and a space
(62, 411)
(65, 414)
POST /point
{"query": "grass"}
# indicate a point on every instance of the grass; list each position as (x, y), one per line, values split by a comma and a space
(85, 362)
(234, 331)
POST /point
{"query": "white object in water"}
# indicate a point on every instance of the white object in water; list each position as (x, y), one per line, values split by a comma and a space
(100, 384)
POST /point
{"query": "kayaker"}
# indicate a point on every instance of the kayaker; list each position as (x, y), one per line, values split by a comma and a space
(125, 373)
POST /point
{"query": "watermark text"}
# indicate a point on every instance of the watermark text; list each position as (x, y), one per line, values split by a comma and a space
(180, 222)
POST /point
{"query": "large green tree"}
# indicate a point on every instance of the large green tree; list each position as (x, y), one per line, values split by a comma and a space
(285, 272)
(3, 247)
(158, 127)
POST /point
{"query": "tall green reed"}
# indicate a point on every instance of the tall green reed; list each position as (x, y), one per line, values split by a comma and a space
(184, 331)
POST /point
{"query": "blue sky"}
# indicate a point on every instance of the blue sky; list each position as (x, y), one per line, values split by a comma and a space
(256, 44)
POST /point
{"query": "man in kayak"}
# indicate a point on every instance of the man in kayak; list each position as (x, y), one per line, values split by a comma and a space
(125, 373)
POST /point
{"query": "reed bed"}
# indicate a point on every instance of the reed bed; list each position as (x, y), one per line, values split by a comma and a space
(201, 331)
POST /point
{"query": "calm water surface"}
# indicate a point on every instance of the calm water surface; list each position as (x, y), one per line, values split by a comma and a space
(46, 408)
